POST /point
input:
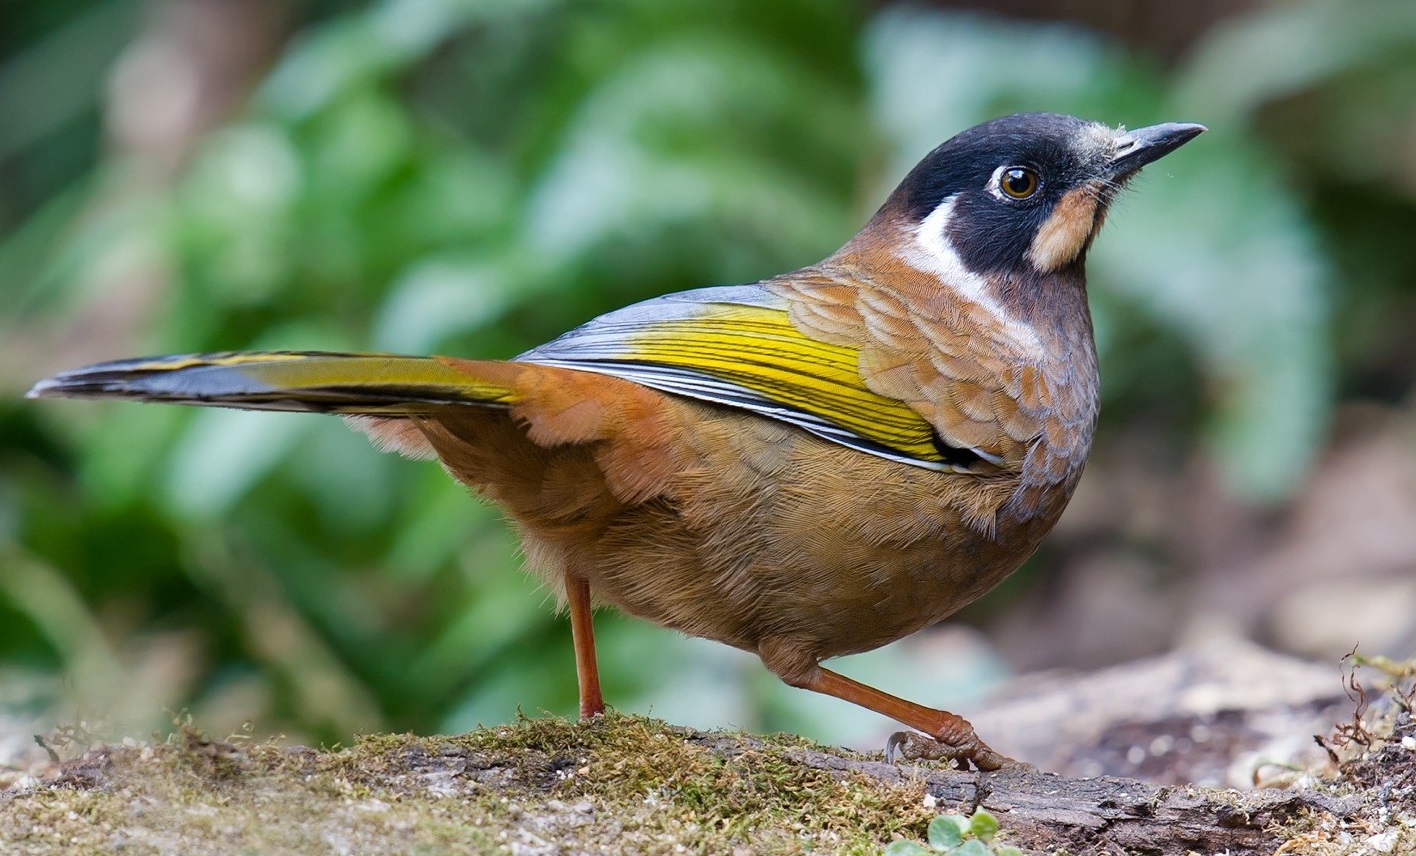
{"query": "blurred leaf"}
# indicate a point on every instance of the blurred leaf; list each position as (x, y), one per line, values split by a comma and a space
(437, 297)
(972, 847)
(59, 78)
(46, 597)
(983, 825)
(236, 207)
(947, 830)
(356, 50)
(223, 454)
(635, 155)
(1282, 49)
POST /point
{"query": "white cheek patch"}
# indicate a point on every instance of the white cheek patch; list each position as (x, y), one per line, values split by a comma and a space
(932, 252)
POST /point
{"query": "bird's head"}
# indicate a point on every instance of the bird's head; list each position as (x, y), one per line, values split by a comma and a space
(1019, 196)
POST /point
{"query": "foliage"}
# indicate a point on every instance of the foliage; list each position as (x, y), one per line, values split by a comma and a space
(473, 177)
(956, 835)
(420, 176)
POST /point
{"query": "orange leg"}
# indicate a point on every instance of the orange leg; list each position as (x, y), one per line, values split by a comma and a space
(582, 632)
(956, 740)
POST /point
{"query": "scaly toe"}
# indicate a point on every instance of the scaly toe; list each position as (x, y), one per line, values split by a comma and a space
(913, 746)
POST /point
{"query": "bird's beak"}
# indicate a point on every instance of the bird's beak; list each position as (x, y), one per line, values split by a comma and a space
(1135, 149)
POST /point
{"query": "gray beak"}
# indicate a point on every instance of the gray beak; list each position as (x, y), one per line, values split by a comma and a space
(1135, 149)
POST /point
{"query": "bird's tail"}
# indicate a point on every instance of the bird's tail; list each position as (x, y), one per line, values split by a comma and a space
(322, 382)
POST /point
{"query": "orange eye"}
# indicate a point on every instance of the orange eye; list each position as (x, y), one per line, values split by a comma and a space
(1018, 182)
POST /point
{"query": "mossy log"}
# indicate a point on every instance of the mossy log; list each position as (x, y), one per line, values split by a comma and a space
(633, 785)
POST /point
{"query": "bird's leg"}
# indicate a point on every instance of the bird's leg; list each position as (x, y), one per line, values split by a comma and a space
(582, 633)
(953, 738)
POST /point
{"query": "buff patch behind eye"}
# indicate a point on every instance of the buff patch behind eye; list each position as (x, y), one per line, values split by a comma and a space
(1062, 236)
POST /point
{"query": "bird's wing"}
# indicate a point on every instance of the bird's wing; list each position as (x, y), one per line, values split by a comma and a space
(737, 346)
(969, 371)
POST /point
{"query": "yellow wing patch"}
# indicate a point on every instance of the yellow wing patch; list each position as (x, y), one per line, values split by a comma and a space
(759, 350)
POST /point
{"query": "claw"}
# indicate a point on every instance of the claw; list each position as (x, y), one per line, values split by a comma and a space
(893, 746)
(971, 752)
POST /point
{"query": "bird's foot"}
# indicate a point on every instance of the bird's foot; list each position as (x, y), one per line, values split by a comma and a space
(963, 754)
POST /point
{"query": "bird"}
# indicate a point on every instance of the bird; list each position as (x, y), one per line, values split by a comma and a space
(809, 466)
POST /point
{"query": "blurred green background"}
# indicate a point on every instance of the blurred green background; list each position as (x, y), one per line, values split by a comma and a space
(475, 176)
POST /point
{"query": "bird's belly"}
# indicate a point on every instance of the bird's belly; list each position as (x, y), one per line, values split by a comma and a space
(858, 606)
(798, 537)
(832, 591)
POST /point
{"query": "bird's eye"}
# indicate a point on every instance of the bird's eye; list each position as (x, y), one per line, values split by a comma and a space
(1018, 182)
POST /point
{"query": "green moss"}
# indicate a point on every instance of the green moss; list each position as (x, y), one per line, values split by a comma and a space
(617, 783)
